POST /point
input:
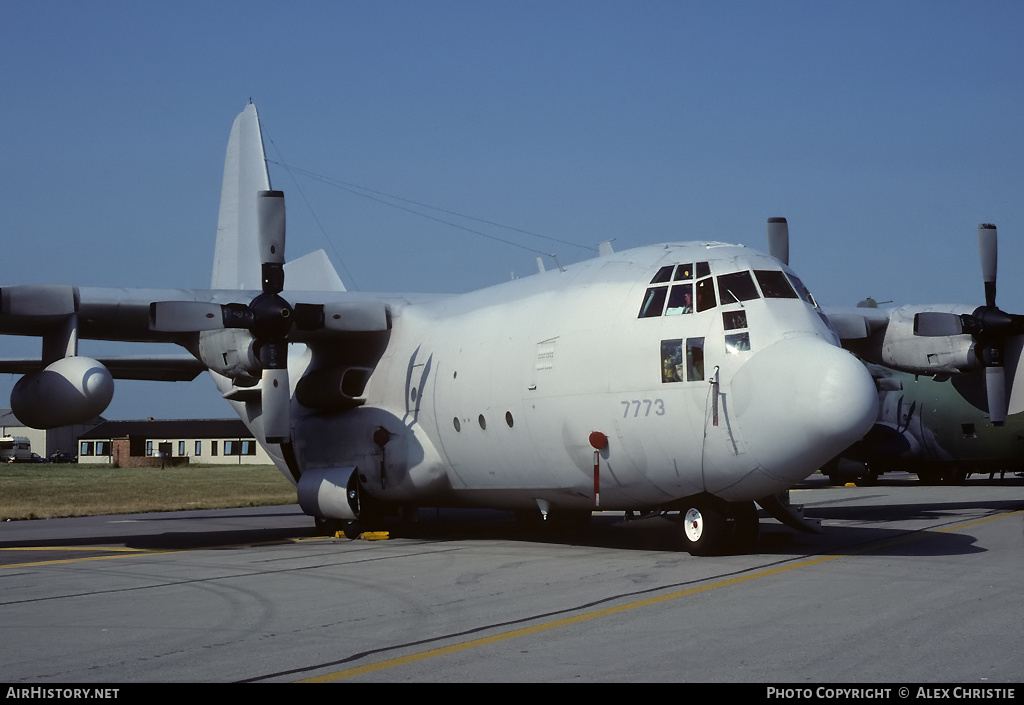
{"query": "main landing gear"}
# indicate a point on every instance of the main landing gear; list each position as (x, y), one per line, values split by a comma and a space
(711, 527)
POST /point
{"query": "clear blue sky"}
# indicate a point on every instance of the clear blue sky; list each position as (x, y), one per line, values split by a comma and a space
(884, 131)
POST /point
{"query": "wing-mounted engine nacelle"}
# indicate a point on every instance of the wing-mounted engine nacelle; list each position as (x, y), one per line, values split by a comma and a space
(69, 391)
(331, 493)
(902, 346)
(231, 352)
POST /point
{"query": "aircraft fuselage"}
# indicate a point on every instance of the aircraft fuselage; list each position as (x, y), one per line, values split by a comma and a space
(491, 398)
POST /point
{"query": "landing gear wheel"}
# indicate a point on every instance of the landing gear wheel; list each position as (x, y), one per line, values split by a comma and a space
(704, 530)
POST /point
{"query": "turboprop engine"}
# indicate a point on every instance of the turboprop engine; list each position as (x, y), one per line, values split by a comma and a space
(69, 391)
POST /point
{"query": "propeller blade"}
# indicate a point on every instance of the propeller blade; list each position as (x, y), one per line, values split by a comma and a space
(270, 226)
(988, 246)
(778, 239)
(270, 219)
(995, 388)
(933, 324)
(276, 398)
(275, 394)
(185, 316)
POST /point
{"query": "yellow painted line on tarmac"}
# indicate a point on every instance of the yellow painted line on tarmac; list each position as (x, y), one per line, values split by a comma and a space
(138, 552)
(71, 548)
(596, 614)
(122, 552)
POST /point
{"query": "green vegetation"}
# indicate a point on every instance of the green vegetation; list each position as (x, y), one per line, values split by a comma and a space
(44, 491)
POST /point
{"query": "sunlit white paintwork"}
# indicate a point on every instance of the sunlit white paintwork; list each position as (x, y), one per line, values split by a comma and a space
(563, 354)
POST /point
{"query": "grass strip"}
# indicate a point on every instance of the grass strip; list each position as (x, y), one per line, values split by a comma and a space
(45, 491)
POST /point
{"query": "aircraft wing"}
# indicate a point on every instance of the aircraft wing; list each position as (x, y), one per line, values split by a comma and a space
(159, 368)
(857, 323)
(927, 339)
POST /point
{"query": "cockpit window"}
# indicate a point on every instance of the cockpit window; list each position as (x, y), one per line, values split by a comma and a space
(680, 300)
(774, 284)
(705, 295)
(802, 291)
(664, 274)
(736, 287)
(684, 272)
(681, 296)
(654, 302)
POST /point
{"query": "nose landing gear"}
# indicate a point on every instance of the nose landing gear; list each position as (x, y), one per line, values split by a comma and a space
(711, 528)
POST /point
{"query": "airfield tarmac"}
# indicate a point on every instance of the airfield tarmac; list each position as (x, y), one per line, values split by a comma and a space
(907, 584)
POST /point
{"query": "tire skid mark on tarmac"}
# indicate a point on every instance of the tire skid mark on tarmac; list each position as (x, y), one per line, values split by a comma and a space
(720, 581)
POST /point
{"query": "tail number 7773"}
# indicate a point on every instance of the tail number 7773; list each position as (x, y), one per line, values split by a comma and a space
(641, 408)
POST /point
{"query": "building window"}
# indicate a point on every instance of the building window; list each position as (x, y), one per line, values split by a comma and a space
(199, 448)
(149, 449)
(213, 447)
(86, 449)
(104, 447)
(181, 447)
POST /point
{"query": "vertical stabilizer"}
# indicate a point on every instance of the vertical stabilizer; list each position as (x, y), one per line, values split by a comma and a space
(236, 262)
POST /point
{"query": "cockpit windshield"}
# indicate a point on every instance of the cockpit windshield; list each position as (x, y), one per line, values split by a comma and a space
(673, 290)
(774, 284)
(737, 287)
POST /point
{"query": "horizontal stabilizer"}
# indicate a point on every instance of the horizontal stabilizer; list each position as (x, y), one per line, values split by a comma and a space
(313, 272)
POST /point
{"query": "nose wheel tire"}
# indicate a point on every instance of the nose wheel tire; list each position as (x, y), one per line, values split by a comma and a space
(704, 530)
(710, 530)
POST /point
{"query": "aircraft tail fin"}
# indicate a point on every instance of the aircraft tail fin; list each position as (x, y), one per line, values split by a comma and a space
(236, 262)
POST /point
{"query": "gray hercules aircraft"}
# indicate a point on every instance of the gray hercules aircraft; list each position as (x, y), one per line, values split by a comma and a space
(693, 379)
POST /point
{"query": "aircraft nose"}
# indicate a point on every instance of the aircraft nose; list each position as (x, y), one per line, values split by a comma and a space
(801, 402)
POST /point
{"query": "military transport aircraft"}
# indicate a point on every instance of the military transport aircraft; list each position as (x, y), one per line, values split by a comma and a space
(948, 401)
(937, 427)
(693, 378)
